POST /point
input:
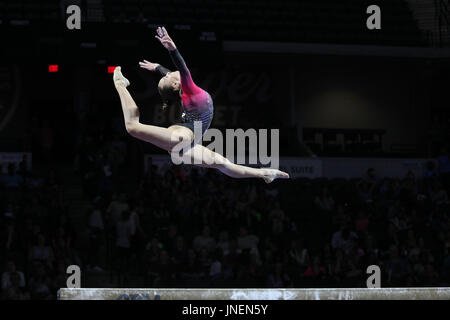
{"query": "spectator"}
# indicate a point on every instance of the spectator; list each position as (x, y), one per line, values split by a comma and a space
(224, 243)
(324, 201)
(96, 228)
(245, 240)
(279, 278)
(178, 253)
(6, 276)
(362, 223)
(12, 179)
(123, 244)
(316, 269)
(41, 284)
(438, 195)
(117, 206)
(297, 253)
(277, 212)
(430, 170)
(216, 266)
(41, 253)
(205, 240)
(14, 290)
(163, 271)
(396, 267)
(341, 239)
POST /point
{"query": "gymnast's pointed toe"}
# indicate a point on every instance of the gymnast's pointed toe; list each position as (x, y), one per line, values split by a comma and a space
(119, 79)
(270, 175)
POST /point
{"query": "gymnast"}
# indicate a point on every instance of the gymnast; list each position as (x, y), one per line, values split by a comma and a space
(177, 88)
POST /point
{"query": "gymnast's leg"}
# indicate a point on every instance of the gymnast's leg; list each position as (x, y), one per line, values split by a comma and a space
(203, 157)
(165, 138)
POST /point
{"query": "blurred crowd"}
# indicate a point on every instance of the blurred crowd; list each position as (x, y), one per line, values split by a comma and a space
(207, 230)
(203, 229)
(37, 235)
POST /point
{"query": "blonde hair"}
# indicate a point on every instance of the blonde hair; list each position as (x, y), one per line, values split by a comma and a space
(169, 95)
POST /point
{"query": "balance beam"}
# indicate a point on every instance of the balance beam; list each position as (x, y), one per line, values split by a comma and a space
(256, 294)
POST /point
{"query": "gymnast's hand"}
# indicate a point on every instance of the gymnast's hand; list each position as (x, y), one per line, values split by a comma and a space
(164, 38)
(148, 65)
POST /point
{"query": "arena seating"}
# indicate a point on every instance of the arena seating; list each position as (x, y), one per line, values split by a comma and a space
(255, 20)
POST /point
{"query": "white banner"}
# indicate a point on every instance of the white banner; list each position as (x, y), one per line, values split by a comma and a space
(384, 167)
(296, 167)
(301, 167)
(326, 167)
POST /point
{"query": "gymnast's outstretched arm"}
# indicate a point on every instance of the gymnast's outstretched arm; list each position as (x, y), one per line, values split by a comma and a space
(155, 67)
(187, 84)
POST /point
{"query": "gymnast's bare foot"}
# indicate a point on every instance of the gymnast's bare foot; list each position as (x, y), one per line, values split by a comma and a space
(119, 79)
(271, 174)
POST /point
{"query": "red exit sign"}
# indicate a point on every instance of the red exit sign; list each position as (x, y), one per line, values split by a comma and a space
(111, 69)
(52, 68)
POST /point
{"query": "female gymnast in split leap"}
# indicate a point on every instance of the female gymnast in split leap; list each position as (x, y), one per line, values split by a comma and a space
(177, 88)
